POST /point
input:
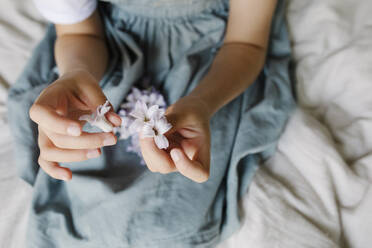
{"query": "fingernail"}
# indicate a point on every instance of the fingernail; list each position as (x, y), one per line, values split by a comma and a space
(93, 153)
(109, 141)
(73, 130)
(175, 154)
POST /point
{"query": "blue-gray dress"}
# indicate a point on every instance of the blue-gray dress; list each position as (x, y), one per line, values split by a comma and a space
(113, 201)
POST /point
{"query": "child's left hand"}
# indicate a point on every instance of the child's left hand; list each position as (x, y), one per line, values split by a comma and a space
(189, 142)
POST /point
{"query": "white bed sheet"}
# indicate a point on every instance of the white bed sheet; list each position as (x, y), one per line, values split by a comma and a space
(20, 29)
(316, 190)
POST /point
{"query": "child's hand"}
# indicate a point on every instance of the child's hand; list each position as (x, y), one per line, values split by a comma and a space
(56, 111)
(189, 139)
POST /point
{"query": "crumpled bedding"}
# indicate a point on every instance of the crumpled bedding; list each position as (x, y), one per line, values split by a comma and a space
(316, 190)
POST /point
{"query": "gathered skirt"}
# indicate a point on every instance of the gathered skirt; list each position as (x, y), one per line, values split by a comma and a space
(113, 200)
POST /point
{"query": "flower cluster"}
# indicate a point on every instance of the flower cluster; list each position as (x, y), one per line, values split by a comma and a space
(143, 112)
(98, 118)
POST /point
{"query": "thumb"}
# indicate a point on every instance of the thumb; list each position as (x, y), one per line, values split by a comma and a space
(93, 95)
(189, 168)
(62, 106)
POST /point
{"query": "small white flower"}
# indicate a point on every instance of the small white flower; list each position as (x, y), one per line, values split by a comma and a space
(135, 113)
(156, 128)
(98, 118)
(132, 98)
(124, 131)
(155, 98)
(135, 145)
(143, 114)
(135, 95)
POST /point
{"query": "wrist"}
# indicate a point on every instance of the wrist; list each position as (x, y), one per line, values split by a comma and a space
(234, 69)
(188, 108)
(78, 74)
(74, 71)
(75, 78)
(202, 106)
(205, 107)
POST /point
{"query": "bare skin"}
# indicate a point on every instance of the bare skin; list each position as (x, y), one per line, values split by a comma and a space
(235, 67)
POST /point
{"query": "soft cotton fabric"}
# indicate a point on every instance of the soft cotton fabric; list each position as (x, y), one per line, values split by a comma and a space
(113, 201)
(66, 11)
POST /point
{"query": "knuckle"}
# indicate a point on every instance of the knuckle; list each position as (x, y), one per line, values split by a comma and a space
(57, 142)
(203, 177)
(152, 169)
(53, 173)
(45, 154)
(165, 170)
(50, 171)
(42, 154)
(40, 141)
(40, 161)
(31, 112)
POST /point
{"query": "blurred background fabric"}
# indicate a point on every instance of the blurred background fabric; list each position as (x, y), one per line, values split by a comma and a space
(316, 190)
(21, 27)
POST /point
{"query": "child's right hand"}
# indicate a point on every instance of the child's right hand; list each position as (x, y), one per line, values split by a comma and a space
(57, 110)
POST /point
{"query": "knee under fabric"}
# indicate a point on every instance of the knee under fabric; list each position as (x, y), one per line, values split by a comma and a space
(114, 201)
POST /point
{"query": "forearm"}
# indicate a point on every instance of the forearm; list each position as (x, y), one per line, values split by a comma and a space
(81, 52)
(82, 46)
(234, 69)
(242, 57)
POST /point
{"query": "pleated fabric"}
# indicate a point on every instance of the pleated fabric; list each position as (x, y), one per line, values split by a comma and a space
(114, 201)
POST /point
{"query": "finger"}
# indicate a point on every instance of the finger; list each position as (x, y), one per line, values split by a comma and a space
(157, 160)
(84, 141)
(174, 120)
(189, 168)
(50, 120)
(51, 153)
(55, 154)
(114, 118)
(54, 170)
(92, 95)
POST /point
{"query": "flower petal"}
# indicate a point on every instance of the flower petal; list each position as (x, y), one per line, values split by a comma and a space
(160, 101)
(123, 132)
(103, 109)
(148, 131)
(161, 141)
(136, 126)
(162, 125)
(142, 100)
(88, 118)
(103, 124)
(139, 112)
(128, 105)
(122, 112)
(136, 93)
(154, 112)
